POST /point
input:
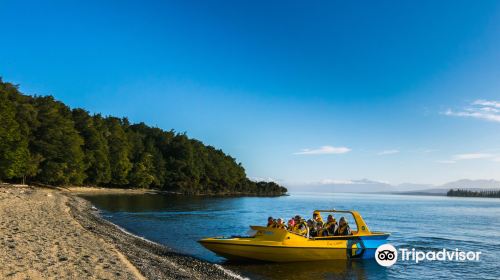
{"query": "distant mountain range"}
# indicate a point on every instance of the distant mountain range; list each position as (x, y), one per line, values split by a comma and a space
(371, 186)
(479, 184)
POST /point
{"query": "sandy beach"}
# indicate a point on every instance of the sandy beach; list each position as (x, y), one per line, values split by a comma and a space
(53, 234)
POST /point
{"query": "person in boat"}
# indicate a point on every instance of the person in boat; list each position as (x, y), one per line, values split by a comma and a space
(312, 228)
(317, 223)
(291, 224)
(330, 227)
(270, 222)
(280, 224)
(317, 217)
(300, 226)
(343, 228)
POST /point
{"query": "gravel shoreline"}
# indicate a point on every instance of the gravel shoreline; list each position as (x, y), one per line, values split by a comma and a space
(51, 233)
(154, 261)
(39, 239)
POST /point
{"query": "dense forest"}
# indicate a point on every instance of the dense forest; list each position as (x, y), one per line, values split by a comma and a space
(473, 193)
(44, 141)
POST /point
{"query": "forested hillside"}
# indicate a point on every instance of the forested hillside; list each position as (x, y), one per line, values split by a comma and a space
(474, 193)
(44, 141)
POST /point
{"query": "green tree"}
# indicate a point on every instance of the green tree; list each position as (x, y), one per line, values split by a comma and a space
(14, 151)
(182, 174)
(119, 150)
(145, 142)
(26, 117)
(95, 148)
(141, 174)
(59, 143)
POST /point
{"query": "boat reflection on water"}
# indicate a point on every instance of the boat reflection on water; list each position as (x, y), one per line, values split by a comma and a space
(348, 269)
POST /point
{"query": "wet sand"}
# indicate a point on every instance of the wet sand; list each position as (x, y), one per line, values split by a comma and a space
(53, 234)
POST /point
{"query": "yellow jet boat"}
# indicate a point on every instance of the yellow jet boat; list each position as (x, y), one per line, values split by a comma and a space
(281, 245)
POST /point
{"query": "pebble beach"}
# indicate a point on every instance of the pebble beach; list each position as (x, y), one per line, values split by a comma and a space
(54, 234)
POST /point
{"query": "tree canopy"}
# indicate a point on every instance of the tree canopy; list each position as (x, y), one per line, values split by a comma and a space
(42, 140)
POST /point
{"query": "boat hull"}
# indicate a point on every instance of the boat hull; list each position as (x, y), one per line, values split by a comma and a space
(273, 245)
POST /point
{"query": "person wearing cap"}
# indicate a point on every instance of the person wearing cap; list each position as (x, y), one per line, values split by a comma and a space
(270, 222)
(343, 228)
(330, 227)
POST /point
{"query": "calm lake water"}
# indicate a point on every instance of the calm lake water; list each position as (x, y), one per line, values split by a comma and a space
(421, 222)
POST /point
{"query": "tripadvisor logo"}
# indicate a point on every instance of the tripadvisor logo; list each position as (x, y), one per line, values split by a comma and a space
(387, 255)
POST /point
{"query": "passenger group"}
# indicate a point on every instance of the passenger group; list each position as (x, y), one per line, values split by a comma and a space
(314, 227)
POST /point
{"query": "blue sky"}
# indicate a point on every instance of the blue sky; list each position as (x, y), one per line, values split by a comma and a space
(396, 91)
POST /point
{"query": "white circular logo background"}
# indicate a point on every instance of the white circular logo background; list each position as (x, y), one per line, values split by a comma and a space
(386, 255)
